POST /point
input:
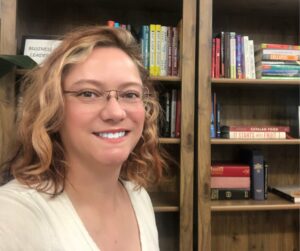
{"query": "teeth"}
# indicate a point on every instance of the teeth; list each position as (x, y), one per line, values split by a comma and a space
(110, 135)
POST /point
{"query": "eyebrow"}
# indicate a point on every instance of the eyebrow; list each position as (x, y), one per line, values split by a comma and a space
(101, 84)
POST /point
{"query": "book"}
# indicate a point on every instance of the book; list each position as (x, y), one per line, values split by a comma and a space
(253, 135)
(230, 182)
(230, 170)
(229, 194)
(254, 128)
(277, 46)
(152, 50)
(291, 193)
(277, 67)
(174, 95)
(283, 57)
(277, 62)
(278, 51)
(256, 162)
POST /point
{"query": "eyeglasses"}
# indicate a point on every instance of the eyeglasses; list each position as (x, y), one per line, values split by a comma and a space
(126, 97)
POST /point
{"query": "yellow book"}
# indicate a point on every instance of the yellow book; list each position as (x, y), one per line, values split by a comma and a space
(152, 50)
(157, 49)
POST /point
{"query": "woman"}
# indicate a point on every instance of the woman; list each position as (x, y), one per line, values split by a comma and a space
(87, 146)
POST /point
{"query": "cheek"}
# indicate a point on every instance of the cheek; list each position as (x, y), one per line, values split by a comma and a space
(139, 118)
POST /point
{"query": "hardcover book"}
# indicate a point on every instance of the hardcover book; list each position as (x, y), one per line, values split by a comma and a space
(230, 170)
(230, 182)
(291, 193)
(229, 194)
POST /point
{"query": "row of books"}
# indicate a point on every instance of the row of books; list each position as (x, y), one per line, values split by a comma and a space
(240, 181)
(277, 61)
(218, 130)
(170, 122)
(160, 49)
(232, 56)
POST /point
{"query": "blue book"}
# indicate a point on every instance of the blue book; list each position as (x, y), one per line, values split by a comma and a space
(257, 175)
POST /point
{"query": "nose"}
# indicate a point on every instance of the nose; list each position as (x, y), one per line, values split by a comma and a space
(112, 110)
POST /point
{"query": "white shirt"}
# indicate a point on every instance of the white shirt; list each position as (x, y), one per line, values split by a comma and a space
(33, 221)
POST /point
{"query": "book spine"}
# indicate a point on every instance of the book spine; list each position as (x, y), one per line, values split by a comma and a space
(245, 53)
(259, 128)
(279, 52)
(222, 55)
(164, 52)
(252, 74)
(174, 51)
(173, 112)
(165, 101)
(232, 55)
(230, 182)
(256, 135)
(266, 180)
(239, 69)
(213, 59)
(277, 57)
(218, 58)
(152, 48)
(229, 194)
(169, 39)
(230, 170)
(157, 49)
(178, 115)
(227, 54)
(145, 45)
(218, 120)
(278, 46)
(257, 176)
(278, 67)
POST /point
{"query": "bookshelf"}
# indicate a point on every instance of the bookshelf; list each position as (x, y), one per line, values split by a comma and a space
(173, 200)
(272, 224)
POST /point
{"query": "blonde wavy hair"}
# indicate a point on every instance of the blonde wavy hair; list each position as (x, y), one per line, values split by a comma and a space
(39, 159)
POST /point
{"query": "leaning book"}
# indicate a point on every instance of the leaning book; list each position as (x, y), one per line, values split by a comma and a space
(291, 193)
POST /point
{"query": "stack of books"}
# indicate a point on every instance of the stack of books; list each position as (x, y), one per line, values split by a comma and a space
(255, 132)
(277, 61)
(232, 56)
(230, 181)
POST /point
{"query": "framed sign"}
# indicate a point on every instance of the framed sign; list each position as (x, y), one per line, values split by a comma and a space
(39, 47)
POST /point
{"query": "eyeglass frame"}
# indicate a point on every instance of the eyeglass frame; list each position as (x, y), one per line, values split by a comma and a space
(108, 95)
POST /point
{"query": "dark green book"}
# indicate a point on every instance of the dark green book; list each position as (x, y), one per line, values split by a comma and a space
(229, 194)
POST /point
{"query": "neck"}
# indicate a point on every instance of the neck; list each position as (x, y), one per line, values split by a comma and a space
(93, 184)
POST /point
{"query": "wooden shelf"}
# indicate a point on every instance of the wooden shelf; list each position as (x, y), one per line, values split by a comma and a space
(164, 202)
(255, 142)
(169, 140)
(274, 202)
(229, 81)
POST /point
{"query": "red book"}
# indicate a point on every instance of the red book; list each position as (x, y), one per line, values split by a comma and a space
(217, 62)
(253, 128)
(213, 59)
(279, 46)
(230, 170)
(230, 182)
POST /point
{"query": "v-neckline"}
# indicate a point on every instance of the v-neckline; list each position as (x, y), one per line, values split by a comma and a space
(81, 227)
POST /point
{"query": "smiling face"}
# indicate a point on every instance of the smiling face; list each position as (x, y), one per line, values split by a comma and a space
(102, 131)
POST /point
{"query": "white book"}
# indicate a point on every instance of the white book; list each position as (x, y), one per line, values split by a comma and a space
(279, 51)
(252, 74)
(246, 60)
(232, 55)
(164, 51)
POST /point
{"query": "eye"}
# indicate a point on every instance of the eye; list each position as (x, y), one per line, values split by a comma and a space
(131, 95)
(88, 94)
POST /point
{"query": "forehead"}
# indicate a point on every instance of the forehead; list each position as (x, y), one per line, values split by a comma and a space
(108, 65)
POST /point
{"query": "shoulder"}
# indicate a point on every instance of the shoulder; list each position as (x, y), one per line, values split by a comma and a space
(20, 217)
